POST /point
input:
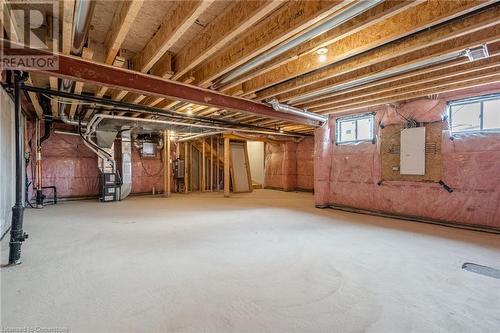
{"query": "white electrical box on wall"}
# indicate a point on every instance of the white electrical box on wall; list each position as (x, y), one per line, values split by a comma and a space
(412, 152)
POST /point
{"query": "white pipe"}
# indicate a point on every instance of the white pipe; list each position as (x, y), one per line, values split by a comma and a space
(192, 137)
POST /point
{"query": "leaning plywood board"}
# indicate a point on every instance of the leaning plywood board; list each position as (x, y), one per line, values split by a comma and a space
(390, 154)
(240, 169)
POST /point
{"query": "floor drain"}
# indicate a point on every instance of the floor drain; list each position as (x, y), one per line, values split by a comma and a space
(483, 270)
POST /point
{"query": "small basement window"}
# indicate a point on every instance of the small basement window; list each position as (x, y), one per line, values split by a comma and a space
(480, 114)
(354, 129)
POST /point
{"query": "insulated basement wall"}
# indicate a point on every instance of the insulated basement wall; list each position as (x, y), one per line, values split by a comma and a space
(347, 175)
(7, 160)
(72, 167)
(289, 165)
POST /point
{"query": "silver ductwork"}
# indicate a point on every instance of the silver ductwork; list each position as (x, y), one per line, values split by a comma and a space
(84, 10)
(333, 22)
(126, 164)
(285, 108)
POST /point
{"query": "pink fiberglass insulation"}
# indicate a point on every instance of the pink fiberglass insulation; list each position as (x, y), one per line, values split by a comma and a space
(289, 165)
(72, 167)
(146, 173)
(347, 174)
(305, 164)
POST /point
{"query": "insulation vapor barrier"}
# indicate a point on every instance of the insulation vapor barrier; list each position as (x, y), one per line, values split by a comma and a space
(348, 174)
(289, 165)
(71, 166)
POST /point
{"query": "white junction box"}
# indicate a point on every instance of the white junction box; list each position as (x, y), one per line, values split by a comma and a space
(412, 158)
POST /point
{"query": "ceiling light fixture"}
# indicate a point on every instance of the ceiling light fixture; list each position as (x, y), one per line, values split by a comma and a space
(322, 53)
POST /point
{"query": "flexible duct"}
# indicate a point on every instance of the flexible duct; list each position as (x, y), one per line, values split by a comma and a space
(296, 111)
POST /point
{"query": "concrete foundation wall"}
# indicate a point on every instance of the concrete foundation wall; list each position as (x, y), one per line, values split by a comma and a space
(347, 175)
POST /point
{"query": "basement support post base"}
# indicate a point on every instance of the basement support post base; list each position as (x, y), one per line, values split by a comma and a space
(17, 235)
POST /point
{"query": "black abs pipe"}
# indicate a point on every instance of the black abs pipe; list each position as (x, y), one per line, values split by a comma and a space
(17, 235)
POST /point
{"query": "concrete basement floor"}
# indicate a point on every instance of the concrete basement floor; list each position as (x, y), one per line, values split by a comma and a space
(266, 261)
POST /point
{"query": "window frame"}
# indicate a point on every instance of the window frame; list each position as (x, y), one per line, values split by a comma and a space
(355, 118)
(477, 99)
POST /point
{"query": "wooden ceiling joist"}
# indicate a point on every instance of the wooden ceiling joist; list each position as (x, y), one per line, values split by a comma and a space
(290, 19)
(122, 21)
(381, 58)
(238, 17)
(175, 24)
(403, 95)
(488, 71)
(87, 53)
(398, 82)
(400, 25)
(368, 18)
(68, 10)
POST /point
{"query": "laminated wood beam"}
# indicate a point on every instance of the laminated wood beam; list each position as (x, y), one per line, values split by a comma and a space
(237, 18)
(317, 80)
(407, 94)
(368, 18)
(122, 21)
(290, 19)
(87, 71)
(407, 22)
(177, 22)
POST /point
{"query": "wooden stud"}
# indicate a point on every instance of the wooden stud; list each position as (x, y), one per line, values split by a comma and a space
(226, 167)
(186, 165)
(211, 164)
(203, 166)
(166, 163)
